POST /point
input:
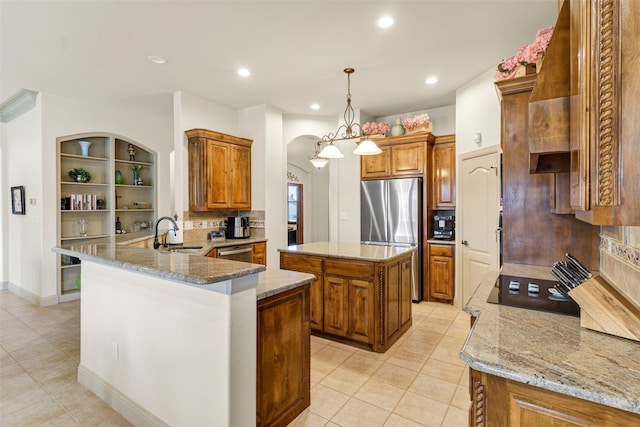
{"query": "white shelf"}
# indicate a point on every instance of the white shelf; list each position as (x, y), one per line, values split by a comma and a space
(108, 153)
(78, 157)
(93, 236)
(133, 162)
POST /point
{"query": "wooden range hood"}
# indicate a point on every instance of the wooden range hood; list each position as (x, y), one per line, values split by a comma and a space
(549, 121)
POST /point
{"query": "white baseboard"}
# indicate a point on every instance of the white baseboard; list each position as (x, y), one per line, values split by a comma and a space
(130, 410)
(30, 296)
(4, 285)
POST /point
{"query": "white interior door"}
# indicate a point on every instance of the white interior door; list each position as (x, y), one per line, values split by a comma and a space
(478, 217)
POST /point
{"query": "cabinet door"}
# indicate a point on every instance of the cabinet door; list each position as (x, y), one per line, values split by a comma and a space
(239, 183)
(260, 253)
(393, 298)
(317, 303)
(217, 167)
(408, 159)
(361, 311)
(283, 357)
(213, 253)
(336, 295)
(378, 166)
(406, 273)
(441, 277)
(443, 169)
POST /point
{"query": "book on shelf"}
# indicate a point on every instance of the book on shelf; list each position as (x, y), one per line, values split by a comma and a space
(82, 202)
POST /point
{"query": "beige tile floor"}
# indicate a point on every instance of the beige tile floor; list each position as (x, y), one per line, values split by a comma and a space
(420, 381)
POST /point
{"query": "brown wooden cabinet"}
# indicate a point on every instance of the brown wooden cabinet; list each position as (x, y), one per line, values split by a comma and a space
(443, 173)
(441, 272)
(500, 402)
(311, 265)
(260, 253)
(604, 44)
(402, 156)
(283, 357)
(363, 301)
(532, 234)
(219, 171)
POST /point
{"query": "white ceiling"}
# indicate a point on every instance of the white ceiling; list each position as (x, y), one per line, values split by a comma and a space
(296, 50)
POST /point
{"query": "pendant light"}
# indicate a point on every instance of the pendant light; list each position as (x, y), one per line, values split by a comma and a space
(347, 131)
(316, 161)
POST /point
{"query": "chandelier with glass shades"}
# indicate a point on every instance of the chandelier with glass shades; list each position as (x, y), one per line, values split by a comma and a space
(316, 161)
(349, 130)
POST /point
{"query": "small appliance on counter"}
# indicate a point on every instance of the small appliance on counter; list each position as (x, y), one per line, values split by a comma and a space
(217, 236)
(237, 227)
(443, 227)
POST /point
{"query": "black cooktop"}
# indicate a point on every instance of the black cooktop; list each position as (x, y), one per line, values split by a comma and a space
(518, 292)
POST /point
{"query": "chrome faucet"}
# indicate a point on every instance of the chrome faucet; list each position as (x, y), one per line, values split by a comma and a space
(156, 243)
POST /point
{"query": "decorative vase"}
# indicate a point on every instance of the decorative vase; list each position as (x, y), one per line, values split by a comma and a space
(397, 129)
(81, 178)
(119, 179)
(84, 147)
(136, 176)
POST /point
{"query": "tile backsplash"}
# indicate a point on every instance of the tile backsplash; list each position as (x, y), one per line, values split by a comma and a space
(620, 259)
(211, 221)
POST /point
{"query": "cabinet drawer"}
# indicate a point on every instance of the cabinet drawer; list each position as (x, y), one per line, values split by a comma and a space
(441, 250)
(359, 270)
(300, 263)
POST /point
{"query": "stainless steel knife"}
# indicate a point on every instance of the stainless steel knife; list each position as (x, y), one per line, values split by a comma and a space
(578, 264)
(573, 281)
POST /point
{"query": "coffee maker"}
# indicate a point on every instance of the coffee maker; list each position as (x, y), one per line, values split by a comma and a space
(443, 227)
(237, 227)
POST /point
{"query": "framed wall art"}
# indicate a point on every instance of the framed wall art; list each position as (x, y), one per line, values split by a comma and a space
(17, 200)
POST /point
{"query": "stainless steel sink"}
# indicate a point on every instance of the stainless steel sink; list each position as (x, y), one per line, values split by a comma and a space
(182, 249)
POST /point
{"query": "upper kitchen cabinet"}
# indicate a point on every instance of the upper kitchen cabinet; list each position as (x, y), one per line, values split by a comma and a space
(443, 172)
(605, 58)
(219, 171)
(589, 77)
(402, 156)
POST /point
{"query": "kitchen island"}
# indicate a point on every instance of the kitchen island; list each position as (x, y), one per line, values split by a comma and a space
(363, 292)
(170, 338)
(536, 368)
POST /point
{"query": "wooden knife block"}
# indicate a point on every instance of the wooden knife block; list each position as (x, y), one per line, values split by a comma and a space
(604, 309)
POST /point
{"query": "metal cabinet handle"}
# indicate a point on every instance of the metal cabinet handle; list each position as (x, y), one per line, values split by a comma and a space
(464, 242)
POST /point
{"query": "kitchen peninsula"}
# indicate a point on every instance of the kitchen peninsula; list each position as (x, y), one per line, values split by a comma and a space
(363, 292)
(537, 368)
(191, 318)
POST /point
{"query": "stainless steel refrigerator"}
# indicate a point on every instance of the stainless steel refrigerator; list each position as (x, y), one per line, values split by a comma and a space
(391, 215)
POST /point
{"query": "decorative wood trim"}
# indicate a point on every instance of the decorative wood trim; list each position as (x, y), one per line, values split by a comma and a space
(608, 102)
(517, 85)
(478, 403)
(381, 302)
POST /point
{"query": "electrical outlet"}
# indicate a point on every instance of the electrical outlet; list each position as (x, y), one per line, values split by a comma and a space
(114, 351)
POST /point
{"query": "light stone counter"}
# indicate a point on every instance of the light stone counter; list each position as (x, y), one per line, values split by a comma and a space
(550, 351)
(273, 282)
(349, 251)
(186, 268)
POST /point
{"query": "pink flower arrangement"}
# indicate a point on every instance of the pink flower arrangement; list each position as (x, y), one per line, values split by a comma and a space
(529, 54)
(412, 123)
(372, 128)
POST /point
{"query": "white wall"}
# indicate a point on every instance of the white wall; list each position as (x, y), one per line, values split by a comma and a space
(477, 110)
(24, 163)
(4, 211)
(29, 159)
(191, 112)
(263, 124)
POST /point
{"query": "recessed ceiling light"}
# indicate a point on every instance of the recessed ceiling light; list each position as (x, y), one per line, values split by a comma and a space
(157, 59)
(314, 107)
(385, 21)
(244, 72)
(431, 80)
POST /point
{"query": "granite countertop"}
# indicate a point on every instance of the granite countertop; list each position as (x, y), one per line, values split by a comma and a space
(193, 269)
(550, 351)
(273, 282)
(206, 244)
(349, 251)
